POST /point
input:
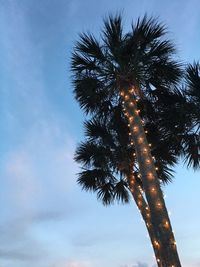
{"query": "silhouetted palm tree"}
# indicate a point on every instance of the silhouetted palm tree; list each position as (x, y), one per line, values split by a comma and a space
(107, 147)
(125, 68)
(110, 167)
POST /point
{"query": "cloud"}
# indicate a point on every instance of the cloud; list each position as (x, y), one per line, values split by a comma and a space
(141, 264)
(138, 264)
(75, 263)
(19, 255)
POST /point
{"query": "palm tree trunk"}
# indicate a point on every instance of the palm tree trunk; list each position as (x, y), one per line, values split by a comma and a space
(146, 215)
(151, 183)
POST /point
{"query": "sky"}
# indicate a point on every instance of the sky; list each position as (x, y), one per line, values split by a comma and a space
(46, 219)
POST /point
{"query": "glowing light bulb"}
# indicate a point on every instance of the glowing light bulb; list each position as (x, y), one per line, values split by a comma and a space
(140, 140)
(150, 175)
(156, 168)
(131, 104)
(159, 205)
(130, 118)
(146, 131)
(166, 224)
(148, 161)
(126, 97)
(153, 190)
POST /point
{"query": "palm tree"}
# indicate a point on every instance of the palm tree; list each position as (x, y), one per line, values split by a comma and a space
(108, 147)
(110, 167)
(126, 68)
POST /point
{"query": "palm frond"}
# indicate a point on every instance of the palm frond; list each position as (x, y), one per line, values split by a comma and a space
(98, 130)
(147, 30)
(88, 92)
(193, 80)
(192, 150)
(91, 154)
(105, 193)
(90, 47)
(121, 192)
(93, 179)
(112, 33)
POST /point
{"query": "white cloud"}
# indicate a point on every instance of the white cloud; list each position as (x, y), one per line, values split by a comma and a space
(76, 263)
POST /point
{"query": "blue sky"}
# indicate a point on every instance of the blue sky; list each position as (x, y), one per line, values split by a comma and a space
(46, 220)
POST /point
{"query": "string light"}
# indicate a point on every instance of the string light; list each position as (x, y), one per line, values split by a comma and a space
(146, 132)
(130, 118)
(156, 243)
(135, 128)
(148, 215)
(148, 161)
(126, 97)
(156, 168)
(150, 175)
(166, 224)
(131, 104)
(153, 190)
(140, 140)
(159, 205)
